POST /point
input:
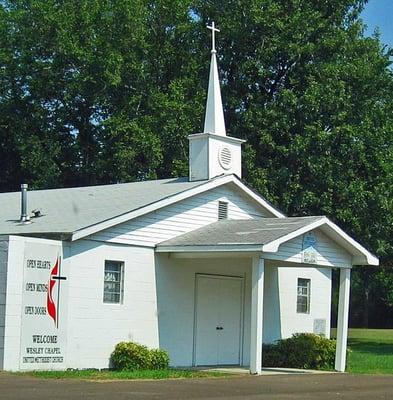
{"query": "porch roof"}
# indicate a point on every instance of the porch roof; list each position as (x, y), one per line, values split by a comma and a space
(262, 235)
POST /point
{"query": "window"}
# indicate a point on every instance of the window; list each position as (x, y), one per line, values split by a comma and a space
(222, 210)
(303, 295)
(113, 281)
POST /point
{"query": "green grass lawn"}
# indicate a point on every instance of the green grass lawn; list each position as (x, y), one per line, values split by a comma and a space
(115, 375)
(371, 351)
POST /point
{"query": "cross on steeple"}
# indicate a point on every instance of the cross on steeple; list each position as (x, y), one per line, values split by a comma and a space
(214, 117)
(214, 30)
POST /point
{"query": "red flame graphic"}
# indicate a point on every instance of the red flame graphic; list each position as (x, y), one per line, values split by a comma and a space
(50, 304)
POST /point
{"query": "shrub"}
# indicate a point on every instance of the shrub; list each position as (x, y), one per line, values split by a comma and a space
(302, 350)
(133, 356)
(159, 359)
(130, 356)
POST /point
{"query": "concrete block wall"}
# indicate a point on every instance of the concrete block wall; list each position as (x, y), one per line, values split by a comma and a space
(95, 327)
(13, 310)
(320, 299)
(3, 290)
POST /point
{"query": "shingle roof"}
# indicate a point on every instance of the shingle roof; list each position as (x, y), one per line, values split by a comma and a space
(68, 210)
(240, 232)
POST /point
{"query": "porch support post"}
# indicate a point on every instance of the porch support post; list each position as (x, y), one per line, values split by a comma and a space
(342, 319)
(258, 272)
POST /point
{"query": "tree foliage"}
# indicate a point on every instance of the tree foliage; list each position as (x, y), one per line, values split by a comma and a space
(100, 91)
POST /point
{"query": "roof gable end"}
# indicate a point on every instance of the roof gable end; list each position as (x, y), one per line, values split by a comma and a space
(360, 255)
(203, 187)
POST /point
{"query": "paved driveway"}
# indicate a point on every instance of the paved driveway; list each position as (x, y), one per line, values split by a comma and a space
(302, 387)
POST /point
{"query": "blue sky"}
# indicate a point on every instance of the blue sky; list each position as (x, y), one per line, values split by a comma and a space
(379, 13)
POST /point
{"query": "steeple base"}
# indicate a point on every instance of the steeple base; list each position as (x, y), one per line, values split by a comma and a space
(212, 155)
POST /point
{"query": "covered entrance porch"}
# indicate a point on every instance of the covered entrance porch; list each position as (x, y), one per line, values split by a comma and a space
(226, 288)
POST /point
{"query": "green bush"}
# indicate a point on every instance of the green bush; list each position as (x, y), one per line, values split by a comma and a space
(159, 359)
(302, 350)
(131, 356)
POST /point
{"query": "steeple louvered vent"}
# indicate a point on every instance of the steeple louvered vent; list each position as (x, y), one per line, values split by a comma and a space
(225, 157)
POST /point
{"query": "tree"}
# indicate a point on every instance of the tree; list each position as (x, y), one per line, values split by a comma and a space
(314, 99)
(98, 91)
(62, 62)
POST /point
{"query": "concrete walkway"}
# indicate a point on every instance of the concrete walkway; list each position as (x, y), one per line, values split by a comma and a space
(279, 387)
(265, 371)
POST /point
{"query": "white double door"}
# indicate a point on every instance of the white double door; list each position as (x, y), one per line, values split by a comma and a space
(218, 320)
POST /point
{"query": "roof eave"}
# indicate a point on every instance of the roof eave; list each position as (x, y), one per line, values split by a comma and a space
(246, 248)
(63, 236)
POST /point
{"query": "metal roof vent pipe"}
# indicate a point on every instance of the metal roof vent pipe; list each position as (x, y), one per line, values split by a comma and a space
(24, 218)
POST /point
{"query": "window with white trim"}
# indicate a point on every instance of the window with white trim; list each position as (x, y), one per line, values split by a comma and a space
(113, 282)
(303, 296)
(222, 210)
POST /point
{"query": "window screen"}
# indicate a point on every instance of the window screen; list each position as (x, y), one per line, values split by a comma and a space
(303, 295)
(113, 281)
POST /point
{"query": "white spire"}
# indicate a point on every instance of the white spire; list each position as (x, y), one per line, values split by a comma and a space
(214, 117)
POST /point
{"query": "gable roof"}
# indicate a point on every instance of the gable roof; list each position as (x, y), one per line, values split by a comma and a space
(78, 212)
(68, 210)
(263, 235)
(243, 232)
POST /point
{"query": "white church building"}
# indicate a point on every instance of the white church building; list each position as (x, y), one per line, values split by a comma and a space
(203, 266)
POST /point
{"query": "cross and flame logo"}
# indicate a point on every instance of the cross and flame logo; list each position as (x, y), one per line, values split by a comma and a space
(55, 277)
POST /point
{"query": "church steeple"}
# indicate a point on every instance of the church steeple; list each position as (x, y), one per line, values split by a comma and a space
(213, 153)
(214, 117)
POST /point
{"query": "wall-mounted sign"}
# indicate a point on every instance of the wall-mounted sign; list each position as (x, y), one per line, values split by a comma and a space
(44, 313)
(319, 327)
(309, 248)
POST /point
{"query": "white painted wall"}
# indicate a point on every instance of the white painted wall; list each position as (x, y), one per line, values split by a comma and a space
(154, 282)
(40, 257)
(204, 158)
(320, 301)
(329, 252)
(281, 319)
(14, 297)
(3, 290)
(271, 305)
(13, 311)
(185, 216)
(96, 327)
(198, 159)
(167, 284)
(215, 168)
(176, 301)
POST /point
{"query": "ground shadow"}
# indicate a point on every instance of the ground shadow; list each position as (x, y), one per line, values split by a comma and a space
(371, 347)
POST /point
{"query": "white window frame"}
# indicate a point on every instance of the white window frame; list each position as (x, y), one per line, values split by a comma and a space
(120, 281)
(303, 291)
